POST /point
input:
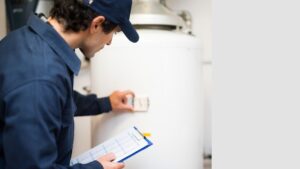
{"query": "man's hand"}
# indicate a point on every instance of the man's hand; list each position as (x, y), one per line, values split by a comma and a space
(118, 101)
(106, 162)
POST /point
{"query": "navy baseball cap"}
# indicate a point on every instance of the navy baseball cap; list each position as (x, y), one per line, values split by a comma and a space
(117, 11)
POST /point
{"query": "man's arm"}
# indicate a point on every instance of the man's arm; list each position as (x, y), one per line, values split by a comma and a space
(91, 105)
(33, 121)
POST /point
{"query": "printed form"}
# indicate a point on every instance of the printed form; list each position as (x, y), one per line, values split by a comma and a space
(123, 146)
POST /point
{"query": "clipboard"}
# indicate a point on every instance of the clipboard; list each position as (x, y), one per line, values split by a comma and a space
(125, 145)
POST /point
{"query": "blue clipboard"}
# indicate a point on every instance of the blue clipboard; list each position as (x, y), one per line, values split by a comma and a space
(143, 148)
(101, 149)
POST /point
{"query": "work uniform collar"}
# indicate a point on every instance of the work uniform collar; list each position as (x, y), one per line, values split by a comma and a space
(56, 42)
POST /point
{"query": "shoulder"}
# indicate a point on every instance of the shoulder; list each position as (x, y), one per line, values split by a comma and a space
(26, 57)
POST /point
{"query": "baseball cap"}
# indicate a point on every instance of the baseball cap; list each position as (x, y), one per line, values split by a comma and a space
(117, 11)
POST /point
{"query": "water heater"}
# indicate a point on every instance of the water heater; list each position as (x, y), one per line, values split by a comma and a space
(165, 66)
(18, 11)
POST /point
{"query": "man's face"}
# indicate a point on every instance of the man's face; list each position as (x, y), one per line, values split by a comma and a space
(95, 41)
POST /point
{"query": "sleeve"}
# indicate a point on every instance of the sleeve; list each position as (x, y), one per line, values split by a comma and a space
(91, 105)
(32, 123)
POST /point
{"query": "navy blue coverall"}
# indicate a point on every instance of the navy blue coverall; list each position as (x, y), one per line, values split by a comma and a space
(37, 100)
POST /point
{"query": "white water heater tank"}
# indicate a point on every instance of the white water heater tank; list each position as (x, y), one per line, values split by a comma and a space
(164, 66)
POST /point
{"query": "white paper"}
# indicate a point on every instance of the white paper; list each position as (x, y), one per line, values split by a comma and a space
(123, 145)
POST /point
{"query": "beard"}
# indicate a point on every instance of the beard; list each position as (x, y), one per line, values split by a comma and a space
(90, 53)
(87, 54)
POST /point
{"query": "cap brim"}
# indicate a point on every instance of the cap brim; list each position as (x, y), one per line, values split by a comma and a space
(129, 31)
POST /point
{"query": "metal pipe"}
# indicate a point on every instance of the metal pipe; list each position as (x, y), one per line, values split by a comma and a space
(163, 2)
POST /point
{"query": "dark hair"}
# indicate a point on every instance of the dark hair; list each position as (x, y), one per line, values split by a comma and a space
(76, 17)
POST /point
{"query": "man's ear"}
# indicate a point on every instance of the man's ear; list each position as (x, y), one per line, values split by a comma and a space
(96, 24)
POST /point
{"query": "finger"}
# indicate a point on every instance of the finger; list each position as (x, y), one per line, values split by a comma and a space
(109, 157)
(126, 98)
(119, 165)
(128, 92)
(127, 107)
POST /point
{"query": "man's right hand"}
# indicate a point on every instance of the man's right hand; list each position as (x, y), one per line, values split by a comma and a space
(106, 162)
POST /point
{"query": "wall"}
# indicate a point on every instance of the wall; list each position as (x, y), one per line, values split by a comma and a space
(3, 27)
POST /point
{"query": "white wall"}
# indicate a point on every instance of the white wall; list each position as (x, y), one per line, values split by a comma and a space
(201, 11)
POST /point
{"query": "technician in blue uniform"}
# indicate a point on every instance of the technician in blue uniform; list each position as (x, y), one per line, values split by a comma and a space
(37, 66)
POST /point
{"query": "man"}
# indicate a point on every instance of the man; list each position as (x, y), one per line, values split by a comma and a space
(37, 65)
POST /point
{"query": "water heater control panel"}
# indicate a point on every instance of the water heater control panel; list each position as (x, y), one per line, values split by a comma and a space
(139, 103)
